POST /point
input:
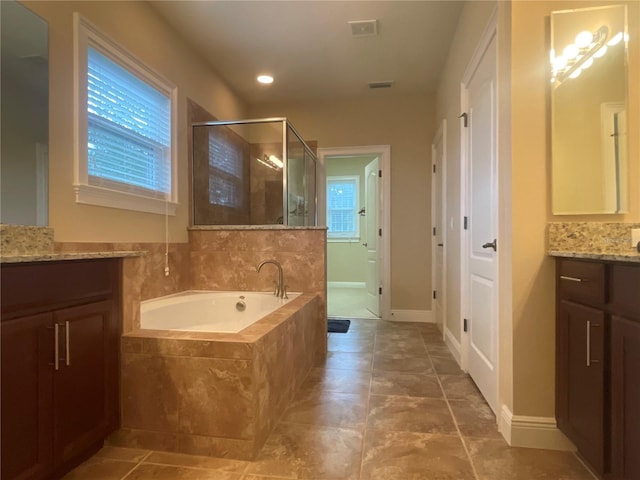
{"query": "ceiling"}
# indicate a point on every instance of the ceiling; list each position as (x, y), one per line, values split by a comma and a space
(309, 49)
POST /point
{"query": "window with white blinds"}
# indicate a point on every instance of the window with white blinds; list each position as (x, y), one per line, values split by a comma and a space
(343, 194)
(225, 172)
(125, 128)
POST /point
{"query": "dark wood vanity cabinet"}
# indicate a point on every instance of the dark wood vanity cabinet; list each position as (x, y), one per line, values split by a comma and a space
(59, 338)
(598, 363)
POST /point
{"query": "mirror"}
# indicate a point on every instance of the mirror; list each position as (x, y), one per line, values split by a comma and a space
(589, 110)
(24, 115)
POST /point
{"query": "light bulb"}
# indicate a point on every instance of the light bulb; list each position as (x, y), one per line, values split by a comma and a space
(583, 39)
(587, 64)
(559, 63)
(615, 40)
(570, 51)
(576, 73)
(266, 79)
(600, 52)
(276, 161)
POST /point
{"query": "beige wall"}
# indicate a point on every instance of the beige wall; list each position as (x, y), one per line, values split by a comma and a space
(137, 27)
(347, 260)
(533, 270)
(407, 124)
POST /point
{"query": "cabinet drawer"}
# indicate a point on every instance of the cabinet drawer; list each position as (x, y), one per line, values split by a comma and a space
(580, 280)
(625, 289)
(31, 288)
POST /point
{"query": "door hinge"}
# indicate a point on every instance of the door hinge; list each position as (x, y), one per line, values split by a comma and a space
(466, 223)
(465, 117)
(434, 168)
(434, 294)
(379, 232)
(380, 173)
(465, 325)
(434, 231)
(380, 291)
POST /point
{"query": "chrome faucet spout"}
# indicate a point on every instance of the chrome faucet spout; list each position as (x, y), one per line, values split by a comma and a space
(280, 290)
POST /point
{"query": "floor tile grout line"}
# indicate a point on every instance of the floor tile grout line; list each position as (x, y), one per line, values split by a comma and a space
(140, 462)
(366, 417)
(455, 421)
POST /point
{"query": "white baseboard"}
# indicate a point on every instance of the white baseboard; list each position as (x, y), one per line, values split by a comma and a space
(346, 284)
(532, 432)
(422, 316)
(454, 345)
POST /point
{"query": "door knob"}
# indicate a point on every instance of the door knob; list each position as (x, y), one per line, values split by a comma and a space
(364, 244)
(493, 245)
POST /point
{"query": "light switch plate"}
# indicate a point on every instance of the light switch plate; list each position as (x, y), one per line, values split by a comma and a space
(635, 236)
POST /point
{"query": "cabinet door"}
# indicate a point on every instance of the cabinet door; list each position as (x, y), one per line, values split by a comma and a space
(27, 345)
(625, 397)
(580, 379)
(85, 387)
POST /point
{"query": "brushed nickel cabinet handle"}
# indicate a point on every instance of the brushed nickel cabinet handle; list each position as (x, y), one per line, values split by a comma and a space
(66, 343)
(588, 343)
(56, 346)
(572, 279)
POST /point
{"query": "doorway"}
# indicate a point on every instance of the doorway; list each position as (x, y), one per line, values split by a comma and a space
(351, 202)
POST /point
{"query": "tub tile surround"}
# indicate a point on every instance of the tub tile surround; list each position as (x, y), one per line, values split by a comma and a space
(212, 394)
(597, 240)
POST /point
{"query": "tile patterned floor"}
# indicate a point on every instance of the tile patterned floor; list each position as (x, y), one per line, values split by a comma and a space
(389, 404)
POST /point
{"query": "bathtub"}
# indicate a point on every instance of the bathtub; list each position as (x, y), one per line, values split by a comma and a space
(206, 311)
(186, 390)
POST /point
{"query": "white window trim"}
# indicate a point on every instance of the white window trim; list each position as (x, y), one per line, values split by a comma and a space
(87, 35)
(332, 237)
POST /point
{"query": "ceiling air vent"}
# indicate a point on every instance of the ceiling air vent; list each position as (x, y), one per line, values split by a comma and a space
(386, 84)
(364, 28)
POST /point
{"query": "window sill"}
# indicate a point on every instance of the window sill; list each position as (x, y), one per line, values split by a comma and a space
(343, 240)
(103, 197)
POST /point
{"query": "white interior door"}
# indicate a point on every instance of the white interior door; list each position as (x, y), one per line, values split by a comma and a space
(438, 215)
(482, 207)
(372, 222)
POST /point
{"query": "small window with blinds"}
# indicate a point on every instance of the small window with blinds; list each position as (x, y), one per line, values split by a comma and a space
(225, 171)
(343, 194)
(125, 128)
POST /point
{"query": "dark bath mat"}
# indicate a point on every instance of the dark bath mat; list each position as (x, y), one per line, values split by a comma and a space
(339, 326)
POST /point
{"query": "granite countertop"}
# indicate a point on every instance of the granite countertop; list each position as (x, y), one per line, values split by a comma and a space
(52, 257)
(254, 227)
(631, 256)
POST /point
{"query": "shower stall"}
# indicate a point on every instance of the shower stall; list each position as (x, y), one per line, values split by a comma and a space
(252, 172)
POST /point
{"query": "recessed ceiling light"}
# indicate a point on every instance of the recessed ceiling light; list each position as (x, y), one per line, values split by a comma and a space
(266, 79)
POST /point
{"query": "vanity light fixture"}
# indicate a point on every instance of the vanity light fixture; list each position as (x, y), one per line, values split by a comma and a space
(578, 56)
(271, 161)
(265, 79)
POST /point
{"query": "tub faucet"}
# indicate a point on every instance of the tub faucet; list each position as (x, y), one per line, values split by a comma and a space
(281, 290)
